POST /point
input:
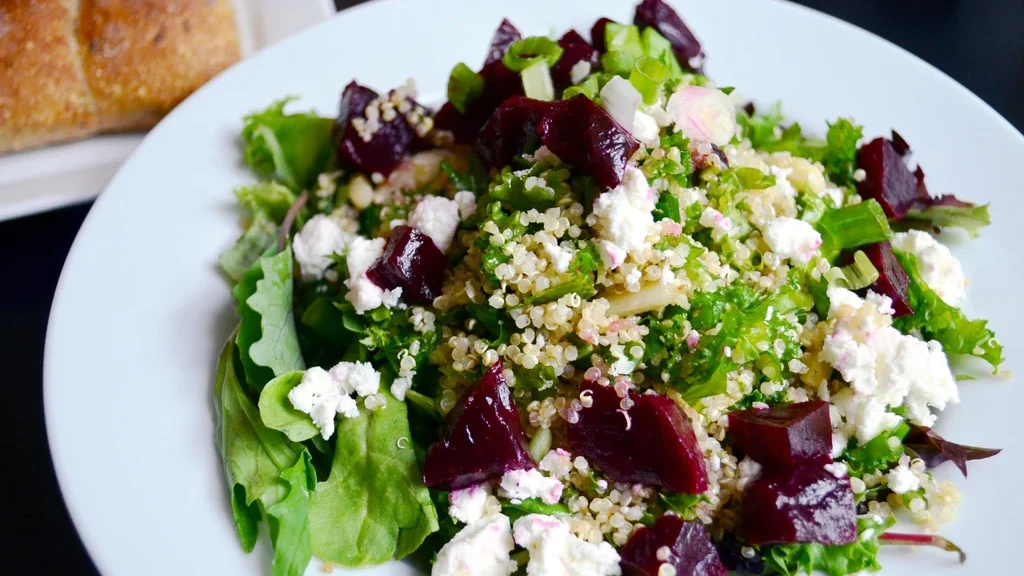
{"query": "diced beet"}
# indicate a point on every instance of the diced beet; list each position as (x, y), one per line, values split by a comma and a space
(899, 144)
(784, 436)
(412, 262)
(483, 437)
(666, 21)
(597, 33)
(504, 37)
(586, 137)
(575, 50)
(803, 504)
(691, 552)
(510, 128)
(389, 144)
(500, 83)
(886, 178)
(892, 278)
(609, 437)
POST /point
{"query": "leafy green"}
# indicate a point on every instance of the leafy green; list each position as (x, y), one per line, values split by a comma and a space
(791, 559)
(683, 505)
(277, 412)
(840, 157)
(493, 254)
(473, 180)
(292, 148)
(852, 227)
(590, 87)
(260, 236)
(464, 87)
(373, 506)
(939, 321)
(515, 511)
(267, 474)
(267, 340)
(538, 186)
(876, 454)
(268, 198)
(970, 218)
(675, 166)
(579, 284)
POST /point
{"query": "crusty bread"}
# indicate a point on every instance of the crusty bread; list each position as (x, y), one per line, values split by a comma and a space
(72, 68)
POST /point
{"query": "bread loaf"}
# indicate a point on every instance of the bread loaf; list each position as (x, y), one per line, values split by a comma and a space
(73, 68)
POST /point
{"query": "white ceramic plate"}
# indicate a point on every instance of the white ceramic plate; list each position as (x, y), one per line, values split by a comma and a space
(140, 312)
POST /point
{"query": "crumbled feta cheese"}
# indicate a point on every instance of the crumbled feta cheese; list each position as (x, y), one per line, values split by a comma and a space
(323, 397)
(939, 269)
(623, 217)
(467, 204)
(560, 257)
(313, 246)
(883, 366)
(556, 462)
(363, 293)
(480, 549)
(469, 504)
(645, 128)
(579, 71)
(390, 298)
(400, 386)
(523, 484)
(719, 224)
(705, 114)
(543, 155)
(792, 238)
(358, 377)
(611, 255)
(622, 367)
(902, 479)
(782, 180)
(554, 551)
(438, 218)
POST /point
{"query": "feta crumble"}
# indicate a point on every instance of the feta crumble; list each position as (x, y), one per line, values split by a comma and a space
(438, 218)
(523, 484)
(313, 246)
(554, 551)
(719, 224)
(556, 462)
(793, 239)
(623, 217)
(902, 479)
(362, 292)
(467, 204)
(480, 549)
(469, 504)
(322, 394)
(939, 269)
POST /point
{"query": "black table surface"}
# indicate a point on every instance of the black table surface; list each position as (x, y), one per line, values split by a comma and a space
(978, 43)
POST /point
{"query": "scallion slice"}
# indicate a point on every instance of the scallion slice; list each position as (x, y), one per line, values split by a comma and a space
(647, 76)
(464, 87)
(537, 82)
(528, 51)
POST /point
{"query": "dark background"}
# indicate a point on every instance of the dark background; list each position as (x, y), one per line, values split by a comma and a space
(980, 43)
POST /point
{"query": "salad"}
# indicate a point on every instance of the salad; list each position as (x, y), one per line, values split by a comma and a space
(592, 316)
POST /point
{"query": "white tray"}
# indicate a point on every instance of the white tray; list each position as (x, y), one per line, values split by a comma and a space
(65, 174)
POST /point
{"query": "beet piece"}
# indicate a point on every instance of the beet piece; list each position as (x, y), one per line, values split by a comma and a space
(691, 552)
(510, 128)
(609, 437)
(802, 504)
(597, 33)
(483, 437)
(784, 435)
(504, 37)
(389, 144)
(899, 144)
(500, 83)
(666, 21)
(575, 50)
(412, 262)
(886, 178)
(586, 137)
(892, 278)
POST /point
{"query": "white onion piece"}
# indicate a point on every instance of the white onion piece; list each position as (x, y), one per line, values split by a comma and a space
(620, 100)
(654, 296)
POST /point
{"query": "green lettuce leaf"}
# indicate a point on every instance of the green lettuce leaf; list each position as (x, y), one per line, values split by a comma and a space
(939, 321)
(791, 559)
(517, 510)
(292, 148)
(260, 236)
(970, 218)
(267, 474)
(269, 198)
(267, 341)
(876, 454)
(840, 156)
(540, 186)
(373, 507)
(277, 412)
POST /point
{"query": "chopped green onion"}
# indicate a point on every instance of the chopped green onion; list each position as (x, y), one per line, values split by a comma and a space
(590, 87)
(464, 87)
(656, 46)
(623, 38)
(852, 227)
(647, 77)
(971, 218)
(537, 82)
(528, 51)
(540, 444)
(618, 63)
(860, 274)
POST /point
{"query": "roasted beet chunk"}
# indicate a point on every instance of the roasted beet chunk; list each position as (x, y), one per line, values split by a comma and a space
(412, 262)
(483, 437)
(597, 32)
(665, 20)
(892, 278)
(575, 50)
(610, 438)
(886, 178)
(504, 37)
(510, 128)
(499, 84)
(388, 142)
(784, 436)
(803, 504)
(585, 136)
(691, 552)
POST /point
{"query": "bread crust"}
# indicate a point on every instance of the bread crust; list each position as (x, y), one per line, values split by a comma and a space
(73, 68)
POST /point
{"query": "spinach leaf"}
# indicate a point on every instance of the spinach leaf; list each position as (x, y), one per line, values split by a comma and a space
(277, 411)
(292, 148)
(373, 506)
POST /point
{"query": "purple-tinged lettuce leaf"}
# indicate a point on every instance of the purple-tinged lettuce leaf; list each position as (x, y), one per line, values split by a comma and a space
(934, 449)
